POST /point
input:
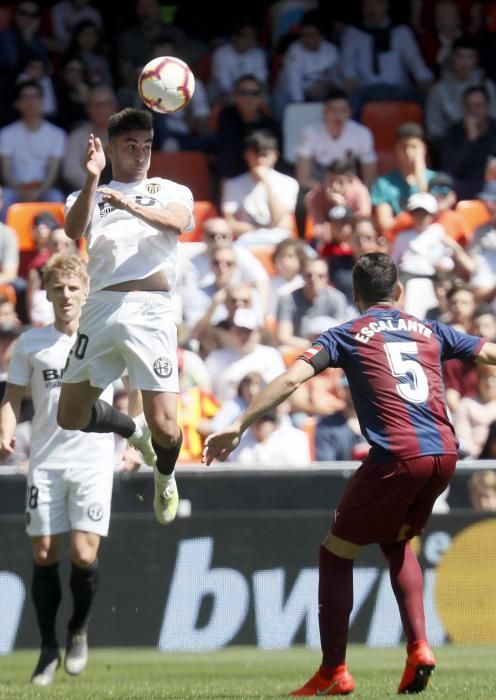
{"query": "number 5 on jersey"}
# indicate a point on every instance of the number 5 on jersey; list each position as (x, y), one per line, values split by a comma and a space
(416, 389)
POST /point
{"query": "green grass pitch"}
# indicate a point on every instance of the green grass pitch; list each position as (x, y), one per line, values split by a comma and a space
(244, 673)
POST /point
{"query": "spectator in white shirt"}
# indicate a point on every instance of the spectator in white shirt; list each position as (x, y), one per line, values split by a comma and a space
(335, 137)
(31, 151)
(381, 59)
(259, 205)
(419, 252)
(67, 14)
(245, 354)
(310, 67)
(241, 56)
(101, 104)
(272, 440)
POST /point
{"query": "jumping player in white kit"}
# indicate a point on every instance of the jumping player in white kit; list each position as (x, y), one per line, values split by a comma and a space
(131, 228)
(69, 484)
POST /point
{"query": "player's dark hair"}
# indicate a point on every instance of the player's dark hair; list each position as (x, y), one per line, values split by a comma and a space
(409, 130)
(260, 141)
(127, 120)
(375, 277)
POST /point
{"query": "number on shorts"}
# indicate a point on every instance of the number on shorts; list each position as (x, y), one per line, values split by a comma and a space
(32, 497)
(417, 388)
(81, 345)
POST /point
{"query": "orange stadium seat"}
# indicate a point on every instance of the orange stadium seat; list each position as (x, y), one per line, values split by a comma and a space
(383, 118)
(188, 168)
(201, 212)
(20, 218)
(473, 212)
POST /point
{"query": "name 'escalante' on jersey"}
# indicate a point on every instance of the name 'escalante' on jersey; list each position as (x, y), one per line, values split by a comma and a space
(393, 365)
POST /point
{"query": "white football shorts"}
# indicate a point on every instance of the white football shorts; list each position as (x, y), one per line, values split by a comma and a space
(75, 498)
(133, 330)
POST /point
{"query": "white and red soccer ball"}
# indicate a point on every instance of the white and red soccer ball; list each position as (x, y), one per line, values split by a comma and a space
(166, 84)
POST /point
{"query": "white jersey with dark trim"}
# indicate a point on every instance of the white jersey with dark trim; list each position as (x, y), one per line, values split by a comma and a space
(122, 247)
(38, 360)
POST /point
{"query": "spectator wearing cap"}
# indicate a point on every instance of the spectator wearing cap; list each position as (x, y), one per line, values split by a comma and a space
(390, 192)
(259, 205)
(315, 298)
(340, 186)
(422, 250)
(335, 136)
(444, 105)
(483, 249)
(468, 143)
(243, 354)
(442, 187)
(337, 249)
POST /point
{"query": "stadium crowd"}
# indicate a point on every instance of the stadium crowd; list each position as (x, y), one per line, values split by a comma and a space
(322, 139)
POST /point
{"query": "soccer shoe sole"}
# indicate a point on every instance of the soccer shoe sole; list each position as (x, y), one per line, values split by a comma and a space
(420, 681)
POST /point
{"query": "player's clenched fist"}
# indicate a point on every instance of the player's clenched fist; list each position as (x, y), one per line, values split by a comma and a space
(114, 197)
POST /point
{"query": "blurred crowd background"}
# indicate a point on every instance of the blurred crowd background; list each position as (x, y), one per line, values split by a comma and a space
(316, 133)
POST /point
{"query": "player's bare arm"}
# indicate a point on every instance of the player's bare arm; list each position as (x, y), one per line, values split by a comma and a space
(220, 445)
(10, 410)
(487, 355)
(174, 215)
(79, 215)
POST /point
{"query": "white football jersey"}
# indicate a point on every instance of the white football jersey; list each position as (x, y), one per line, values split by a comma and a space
(38, 360)
(121, 246)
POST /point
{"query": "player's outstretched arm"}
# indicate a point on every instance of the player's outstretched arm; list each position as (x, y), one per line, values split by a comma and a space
(219, 445)
(10, 410)
(487, 355)
(175, 215)
(79, 215)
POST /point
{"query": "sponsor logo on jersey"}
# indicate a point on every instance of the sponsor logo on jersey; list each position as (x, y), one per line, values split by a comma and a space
(162, 367)
(95, 512)
(152, 187)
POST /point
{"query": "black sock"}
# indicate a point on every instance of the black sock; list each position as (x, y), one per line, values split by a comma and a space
(107, 419)
(167, 458)
(47, 594)
(84, 583)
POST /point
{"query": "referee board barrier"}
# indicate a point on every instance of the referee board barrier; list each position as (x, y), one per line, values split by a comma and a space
(239, 565)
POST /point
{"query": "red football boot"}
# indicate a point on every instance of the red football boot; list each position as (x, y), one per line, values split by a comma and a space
(420, 663)
(340, 683)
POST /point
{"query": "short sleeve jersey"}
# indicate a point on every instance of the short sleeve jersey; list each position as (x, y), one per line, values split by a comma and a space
(121, 246)
(393, 365)
(38, 360)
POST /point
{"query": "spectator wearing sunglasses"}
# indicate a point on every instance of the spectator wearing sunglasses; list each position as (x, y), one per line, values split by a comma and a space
(247, 113)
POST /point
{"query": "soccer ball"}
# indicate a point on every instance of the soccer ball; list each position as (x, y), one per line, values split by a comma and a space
(166, 84)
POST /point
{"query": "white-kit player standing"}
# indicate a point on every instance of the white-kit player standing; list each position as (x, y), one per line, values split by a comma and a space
(69, 485)
(131, 227)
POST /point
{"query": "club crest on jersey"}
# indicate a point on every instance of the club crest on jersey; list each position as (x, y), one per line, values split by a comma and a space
(162, 367)
(152, 187)
(105, 208)
(95, 512)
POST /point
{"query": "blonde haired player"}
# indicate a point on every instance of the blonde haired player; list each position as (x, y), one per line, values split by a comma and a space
(70, 474)
(131, 228)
